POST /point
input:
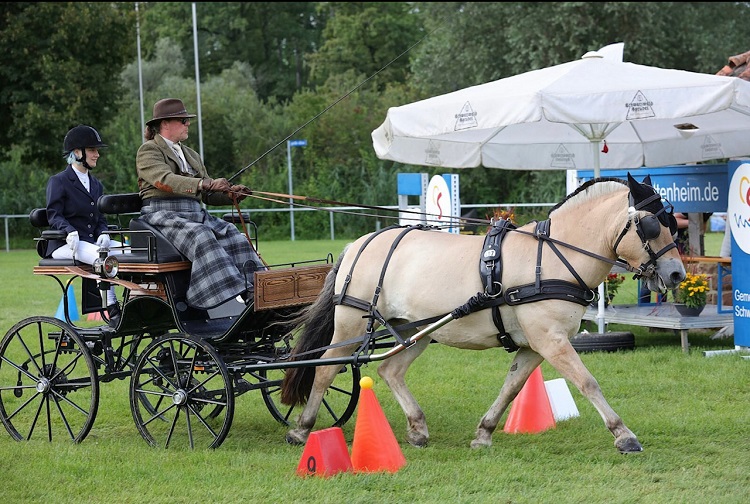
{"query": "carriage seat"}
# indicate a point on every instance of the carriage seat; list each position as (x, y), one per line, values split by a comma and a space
(49, 240)
(147, 244)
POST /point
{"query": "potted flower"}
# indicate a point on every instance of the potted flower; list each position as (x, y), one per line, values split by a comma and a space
(690, 295)
(611, 284)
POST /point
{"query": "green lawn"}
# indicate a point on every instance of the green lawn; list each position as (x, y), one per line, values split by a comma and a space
(689, 412)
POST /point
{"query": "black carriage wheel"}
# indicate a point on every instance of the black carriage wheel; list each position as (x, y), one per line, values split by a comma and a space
(181, 393)
(339, 402)
(48, 381)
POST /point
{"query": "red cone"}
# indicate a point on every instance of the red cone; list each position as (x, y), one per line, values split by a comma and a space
(374, 447)
(325, 454)
(531, 411)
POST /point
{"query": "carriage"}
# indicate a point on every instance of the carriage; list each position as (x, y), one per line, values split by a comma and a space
(186, 366)
(524, 289)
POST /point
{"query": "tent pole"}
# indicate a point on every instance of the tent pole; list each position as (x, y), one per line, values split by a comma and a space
(600, 308)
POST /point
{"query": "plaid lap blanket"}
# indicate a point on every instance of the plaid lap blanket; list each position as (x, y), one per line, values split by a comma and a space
(217, 249)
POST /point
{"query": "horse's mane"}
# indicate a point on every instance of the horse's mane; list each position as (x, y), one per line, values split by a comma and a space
(591, 189)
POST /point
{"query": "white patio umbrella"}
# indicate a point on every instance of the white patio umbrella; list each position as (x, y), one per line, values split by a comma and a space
(560, 118)
(594, 113)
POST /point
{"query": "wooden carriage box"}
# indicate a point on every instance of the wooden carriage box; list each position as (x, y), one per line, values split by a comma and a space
(289, 286)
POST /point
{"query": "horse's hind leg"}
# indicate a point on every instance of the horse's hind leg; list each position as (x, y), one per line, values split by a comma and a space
(525, 361)
(393, 371)
(567, 361)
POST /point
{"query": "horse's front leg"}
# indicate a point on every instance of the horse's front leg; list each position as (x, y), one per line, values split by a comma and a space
(393, 371)
(324, 376)
(566, 360)
(525, 361)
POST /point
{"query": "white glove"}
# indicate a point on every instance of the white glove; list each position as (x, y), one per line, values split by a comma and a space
(103, 241)
(72, 240)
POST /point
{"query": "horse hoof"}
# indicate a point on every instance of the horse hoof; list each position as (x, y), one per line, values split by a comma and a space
(418, 441)
(476, 444)
(629, 445)
(294, 439)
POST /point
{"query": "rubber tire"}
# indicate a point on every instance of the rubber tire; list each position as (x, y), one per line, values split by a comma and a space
(606, 342)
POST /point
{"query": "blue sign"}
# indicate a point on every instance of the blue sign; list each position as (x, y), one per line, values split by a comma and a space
(298, 143)
(739, 222)
(690, 188)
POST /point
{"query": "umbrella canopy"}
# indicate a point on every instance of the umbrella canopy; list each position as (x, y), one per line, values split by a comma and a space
(596, 112)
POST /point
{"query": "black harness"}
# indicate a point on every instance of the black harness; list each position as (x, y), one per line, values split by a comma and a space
(491, 271)
(648, 228)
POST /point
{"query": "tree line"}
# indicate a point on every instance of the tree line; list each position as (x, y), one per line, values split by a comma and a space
(326, 72)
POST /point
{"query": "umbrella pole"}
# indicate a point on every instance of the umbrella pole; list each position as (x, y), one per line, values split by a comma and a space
(600, 308)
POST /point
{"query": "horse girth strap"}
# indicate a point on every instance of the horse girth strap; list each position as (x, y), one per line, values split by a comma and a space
(491, 273)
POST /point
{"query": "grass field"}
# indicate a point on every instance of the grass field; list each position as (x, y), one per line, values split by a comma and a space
(691, 413)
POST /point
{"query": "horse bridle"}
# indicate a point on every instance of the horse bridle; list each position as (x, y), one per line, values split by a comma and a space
(649, 228)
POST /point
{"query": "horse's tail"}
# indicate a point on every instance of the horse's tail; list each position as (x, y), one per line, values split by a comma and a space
(315, 324)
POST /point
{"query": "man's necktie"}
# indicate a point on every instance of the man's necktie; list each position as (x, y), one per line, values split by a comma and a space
(184, 166)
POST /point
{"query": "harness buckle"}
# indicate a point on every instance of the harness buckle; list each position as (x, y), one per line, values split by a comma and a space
(497, 293)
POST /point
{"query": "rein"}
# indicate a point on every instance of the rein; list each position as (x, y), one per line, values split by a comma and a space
(272, 197)
(618, 262)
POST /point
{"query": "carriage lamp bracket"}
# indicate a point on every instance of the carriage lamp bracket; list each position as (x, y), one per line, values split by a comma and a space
(106, 266)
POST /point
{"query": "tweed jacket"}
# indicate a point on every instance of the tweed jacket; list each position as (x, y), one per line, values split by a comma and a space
(70, 207)
(159, 174)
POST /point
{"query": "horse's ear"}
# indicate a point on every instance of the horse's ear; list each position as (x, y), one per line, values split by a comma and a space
(647, 180)
(638, 191)
(632, 183)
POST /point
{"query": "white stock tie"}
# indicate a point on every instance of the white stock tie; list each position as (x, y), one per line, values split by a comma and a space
(184, 166)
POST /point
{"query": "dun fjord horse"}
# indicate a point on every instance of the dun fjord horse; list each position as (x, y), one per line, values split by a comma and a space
(548, 275)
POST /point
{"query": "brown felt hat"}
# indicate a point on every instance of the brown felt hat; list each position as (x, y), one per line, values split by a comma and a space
(169, 108)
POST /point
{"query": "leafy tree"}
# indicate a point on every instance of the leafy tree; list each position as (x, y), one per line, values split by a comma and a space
(366, 38)
(472, 43)
(270, 37)
(56, 68)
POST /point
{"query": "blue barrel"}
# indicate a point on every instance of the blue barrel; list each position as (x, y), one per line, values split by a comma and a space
(738, 218)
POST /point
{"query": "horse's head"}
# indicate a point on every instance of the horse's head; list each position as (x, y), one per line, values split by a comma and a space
(654, 252)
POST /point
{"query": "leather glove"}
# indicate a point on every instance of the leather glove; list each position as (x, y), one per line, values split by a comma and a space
(103, 241)
(72, 240)
(240, 192)
(216, 185)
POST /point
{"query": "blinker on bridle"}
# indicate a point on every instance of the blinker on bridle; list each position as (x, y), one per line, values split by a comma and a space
(649, 228)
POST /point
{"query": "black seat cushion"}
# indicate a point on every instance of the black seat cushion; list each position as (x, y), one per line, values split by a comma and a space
(116, 204)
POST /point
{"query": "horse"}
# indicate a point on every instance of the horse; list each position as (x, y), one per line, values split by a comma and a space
(549, 273)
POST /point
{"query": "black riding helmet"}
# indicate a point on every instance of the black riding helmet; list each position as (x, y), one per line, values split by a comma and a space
(82, 137)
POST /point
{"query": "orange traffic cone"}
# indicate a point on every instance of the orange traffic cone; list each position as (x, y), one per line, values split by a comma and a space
(531, 411)
(374, 447)
(325, 454)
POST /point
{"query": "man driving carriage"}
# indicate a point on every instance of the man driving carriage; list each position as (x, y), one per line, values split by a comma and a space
(172, 182)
